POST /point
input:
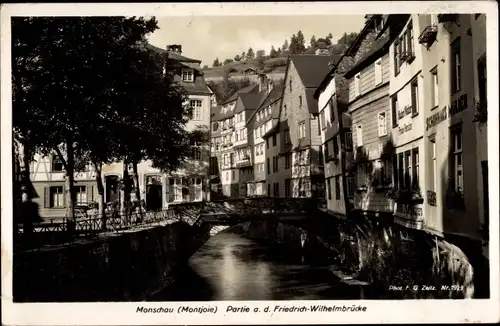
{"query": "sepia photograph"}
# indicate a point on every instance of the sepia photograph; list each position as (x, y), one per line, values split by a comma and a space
(233, 158)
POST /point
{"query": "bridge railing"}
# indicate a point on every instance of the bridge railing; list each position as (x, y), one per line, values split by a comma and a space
(251, 206)
(62, 232)
(65, 232)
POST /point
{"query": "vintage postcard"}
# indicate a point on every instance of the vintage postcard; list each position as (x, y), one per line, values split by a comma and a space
(249, 163)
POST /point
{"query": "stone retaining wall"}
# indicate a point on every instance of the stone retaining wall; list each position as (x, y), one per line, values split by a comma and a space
(130, 266)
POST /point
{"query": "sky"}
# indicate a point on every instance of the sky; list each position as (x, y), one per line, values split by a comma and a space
(208, 37)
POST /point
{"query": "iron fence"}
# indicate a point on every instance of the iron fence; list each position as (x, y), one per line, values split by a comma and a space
(63, 231)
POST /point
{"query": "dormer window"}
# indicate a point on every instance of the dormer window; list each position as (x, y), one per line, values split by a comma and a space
(57, 165)
(187, 75)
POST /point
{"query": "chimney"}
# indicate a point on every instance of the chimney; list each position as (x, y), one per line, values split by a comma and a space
(262, 81)
(176, 48)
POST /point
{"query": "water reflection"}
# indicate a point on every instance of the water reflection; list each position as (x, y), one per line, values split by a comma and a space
(232, 267)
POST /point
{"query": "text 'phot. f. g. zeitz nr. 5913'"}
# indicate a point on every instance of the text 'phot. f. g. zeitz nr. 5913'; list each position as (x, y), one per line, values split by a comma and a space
(350, 166)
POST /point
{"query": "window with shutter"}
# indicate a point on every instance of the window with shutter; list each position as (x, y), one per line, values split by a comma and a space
(382, 124)
(357, 90)
(359, 135)
(332, 104)
(322, 120)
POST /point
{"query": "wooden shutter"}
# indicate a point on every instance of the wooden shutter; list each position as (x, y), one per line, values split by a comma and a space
(64, 195)
(46, 197)
(90, 194)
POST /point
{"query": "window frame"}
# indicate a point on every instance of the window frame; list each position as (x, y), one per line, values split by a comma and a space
(56, 160)
(337, 187)
(457, 152)
(382, 132)
(322, 119)
(456, 66)
(357, 85)
(187, 72)
(302, 129)
(61, 200)
(359, 135)
(333, 107)
(415, 103)
(195, 109)
(79, 194)
(394, 110)
(435, 87)
(396, 57)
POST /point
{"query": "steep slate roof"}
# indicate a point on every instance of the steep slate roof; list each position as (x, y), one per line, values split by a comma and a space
(267, 99)
(272, 96)
(172, 55)
(311, 68)
(199, 87)
(249, 101)
(248, 89)
(349, 52)
(392, 20)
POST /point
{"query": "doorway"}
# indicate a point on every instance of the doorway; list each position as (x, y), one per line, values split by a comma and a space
(112, 191)
(153, 193)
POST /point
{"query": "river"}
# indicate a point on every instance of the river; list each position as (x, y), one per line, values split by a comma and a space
(230, 266)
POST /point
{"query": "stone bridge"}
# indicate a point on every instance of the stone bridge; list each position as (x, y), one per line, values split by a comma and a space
(234, 211)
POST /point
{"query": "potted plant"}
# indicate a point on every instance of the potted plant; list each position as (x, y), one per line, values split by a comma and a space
(480, 112)
(410, 57)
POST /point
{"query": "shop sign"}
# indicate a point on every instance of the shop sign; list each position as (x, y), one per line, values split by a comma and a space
(405, 128)
(456, 107)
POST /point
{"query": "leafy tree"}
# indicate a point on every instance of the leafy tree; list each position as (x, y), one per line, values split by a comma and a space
(312, 43)
(329, 38)
(250, 54)
(260, 53)
(227, 61)
(273, 53)
(285, 46)
(243, 56)
(90, 88)
(216, 63)
(294, 47)
(205, 66)
(237, 58)
(301, 47)
(347, 39)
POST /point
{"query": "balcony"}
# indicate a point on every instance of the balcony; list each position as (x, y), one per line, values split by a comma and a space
(408, 206)
(245, 162)
(447, 18)
(428, 35)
